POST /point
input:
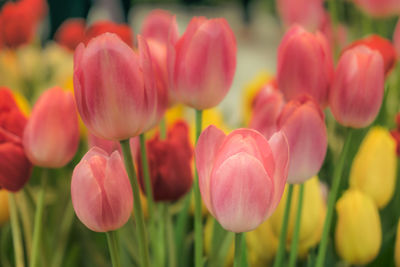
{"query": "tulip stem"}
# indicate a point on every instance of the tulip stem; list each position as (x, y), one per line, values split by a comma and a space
(137, 205)
(112, 240)
(337, 176)
(296, 234)
(146, 176)
(198, 225)
(237, 262)
(282, 237)
(16, 232)
(38, 226)
(163, 129)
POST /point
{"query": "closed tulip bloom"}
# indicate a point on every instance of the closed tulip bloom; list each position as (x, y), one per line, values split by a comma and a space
(202, 63)
(15, 167)
(115, 90)
(379, 8)
(397, 246)
(358, 234)
(305, 65)
(101, 192)
(71, 33)
(374, 167)
(303, 123)
(241, 175)
(170, 164)
(51, 136)
(383, 46)
(357, 90)
(160, 25)
(108, 146)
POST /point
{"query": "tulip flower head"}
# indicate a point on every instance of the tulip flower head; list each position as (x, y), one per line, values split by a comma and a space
(71, 33)
(99, 27)
(357, 91)
(101, 192)
(15, 167)
(241, 175)
(305, 65)
(160, 25)
(379, 8)
(202, 63)
(115, 90)
(51, 136)
(170, 164)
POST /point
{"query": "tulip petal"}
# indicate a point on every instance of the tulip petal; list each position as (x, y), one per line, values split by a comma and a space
(240, 193)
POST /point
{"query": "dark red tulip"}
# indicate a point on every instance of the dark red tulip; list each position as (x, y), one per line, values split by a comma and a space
(14, 165)
(170, 164)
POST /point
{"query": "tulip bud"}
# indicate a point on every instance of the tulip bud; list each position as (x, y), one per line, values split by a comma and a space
(202, 63)
(71, 33)
(101, 192)
(160, 25)
(4, 212)
(379, 8)
(374, 166)
(357, 90)
(397, 246)
(243, 164)
(170, 164)
(302, 121)
(123, 31)
(15, 168)
(312, 216)
(51, 136)
(305, 65)
(358, 233)
(382, 45)
(115, 90)
(108, 146)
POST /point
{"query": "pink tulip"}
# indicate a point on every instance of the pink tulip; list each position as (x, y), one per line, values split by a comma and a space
(101, 192)
(51, 136)
(396, 38)
(115, 88)
(267, 107)
(202, 63)
(302, 121)
(357, 90)
(241, 176)
(160, 25)
(379, 8)
(108, 146)
(307, 13)
(305, 65)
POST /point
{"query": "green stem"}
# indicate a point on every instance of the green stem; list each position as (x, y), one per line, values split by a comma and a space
(237, 262)
(337, 176)
(137, 205)
(296, 234)
(16, 232)
(146, 176)
(170, 237)
(163, 128)
(38, 226)
(25, 211)
(198, 225)
(113, 248)
(282, 237)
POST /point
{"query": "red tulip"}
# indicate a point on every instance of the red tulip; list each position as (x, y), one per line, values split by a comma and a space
(357, 90)
(383, 46)
(71, 33)
(379, 8)
(51, 136)
(15, 168)
(241, 176)
(202, 63)
(302, 121)
(170, 164)
(98, 28)
(305, 65)
(115, 88)
(101, 192)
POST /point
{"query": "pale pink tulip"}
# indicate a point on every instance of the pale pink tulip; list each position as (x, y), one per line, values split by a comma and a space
(302, 121)
(379, 8)
(305, 65)
(241, 176)
(101, 192)
(202, 63)
(160, 25)
(357, 90)
(108, 146)
(115, 89)
(51, 136)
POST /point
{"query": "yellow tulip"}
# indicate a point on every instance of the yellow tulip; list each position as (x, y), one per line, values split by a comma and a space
(312, 216)
(250, 90)
(374, 167)
(358, 230)
(397, 247)
(4, 212)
